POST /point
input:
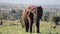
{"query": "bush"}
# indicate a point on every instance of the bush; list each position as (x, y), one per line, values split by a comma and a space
(56, 19)
(45, 18)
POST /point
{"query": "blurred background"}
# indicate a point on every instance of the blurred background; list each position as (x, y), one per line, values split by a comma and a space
(11, 11)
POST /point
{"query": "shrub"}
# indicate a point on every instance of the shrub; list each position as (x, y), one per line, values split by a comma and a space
(56, 19)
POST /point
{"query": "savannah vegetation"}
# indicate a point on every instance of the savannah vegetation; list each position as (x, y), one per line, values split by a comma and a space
(11, 21)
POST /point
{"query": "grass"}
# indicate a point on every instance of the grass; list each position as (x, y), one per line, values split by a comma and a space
(14, 27)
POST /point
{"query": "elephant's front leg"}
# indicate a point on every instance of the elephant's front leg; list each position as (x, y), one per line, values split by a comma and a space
(31, 27)
(30, 24)
(26, 25)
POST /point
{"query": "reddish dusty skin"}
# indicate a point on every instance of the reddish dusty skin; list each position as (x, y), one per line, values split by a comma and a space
(30, 15)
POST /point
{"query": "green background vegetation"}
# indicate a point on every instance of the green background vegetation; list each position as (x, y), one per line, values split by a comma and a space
(11, 17)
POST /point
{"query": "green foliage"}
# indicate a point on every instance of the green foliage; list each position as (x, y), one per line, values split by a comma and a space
(14, 14)
(17, 14)
(56, 19)
(1, 17)
(0, 32)
(8, 27)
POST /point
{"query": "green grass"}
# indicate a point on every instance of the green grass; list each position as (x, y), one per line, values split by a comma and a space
(14, 27)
